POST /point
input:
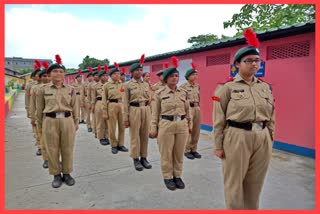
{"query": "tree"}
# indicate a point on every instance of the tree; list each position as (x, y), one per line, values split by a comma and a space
(93, 62)
(71, 70)
(204, 39)
(262, 17)
(25, 71)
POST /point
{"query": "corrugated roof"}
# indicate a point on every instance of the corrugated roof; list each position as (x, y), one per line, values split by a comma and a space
(283, 31)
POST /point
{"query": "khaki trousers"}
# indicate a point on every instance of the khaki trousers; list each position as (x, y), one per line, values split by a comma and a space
(101, 124)
(115, 116)
(59, 136)
(247, 157)
(139, 119)
(172, 139)
(88, 113)
(193, 138)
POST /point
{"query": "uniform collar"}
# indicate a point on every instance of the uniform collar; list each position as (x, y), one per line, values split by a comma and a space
(136, 81)
(238, 78)
(53, 85)
(169, 90)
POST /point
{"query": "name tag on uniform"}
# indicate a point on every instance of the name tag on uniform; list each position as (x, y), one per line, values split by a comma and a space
(164, 98)
(111, 88)
(238, 90)
(48, 94)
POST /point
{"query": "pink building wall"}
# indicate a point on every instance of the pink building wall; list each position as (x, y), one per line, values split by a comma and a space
(292, 80)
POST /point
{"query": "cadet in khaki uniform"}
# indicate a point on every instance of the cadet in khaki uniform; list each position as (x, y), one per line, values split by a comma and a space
(84, 94)
(112, 110)
(171, 123)
(32, 98)
(244, 124)
(137, 115)
(160, 84)
(96, 101)
(58, 118)
(96, 79)
(44, 78)
(193, 90)
(78, 85)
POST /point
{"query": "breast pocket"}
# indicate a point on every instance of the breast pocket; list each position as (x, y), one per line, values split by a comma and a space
(66, 99)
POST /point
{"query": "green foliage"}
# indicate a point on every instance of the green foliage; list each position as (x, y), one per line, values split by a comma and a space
(261, 17)
(204, 39)
(93, 62)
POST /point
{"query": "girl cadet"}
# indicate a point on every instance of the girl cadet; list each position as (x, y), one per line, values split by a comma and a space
(171, 124)
(58, 118)
(244, 121)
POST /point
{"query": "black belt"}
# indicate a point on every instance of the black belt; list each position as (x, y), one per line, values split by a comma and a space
(245, 126)
(56, 114)
(99, 98)
(78, 93)
(172, 118)
(192, 104)
(138, 104)
(115, 100)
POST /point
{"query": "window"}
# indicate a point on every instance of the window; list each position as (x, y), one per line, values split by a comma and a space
(220, 59)
(291, 50)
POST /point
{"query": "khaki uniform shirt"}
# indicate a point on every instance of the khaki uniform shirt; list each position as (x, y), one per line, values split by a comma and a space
(28, 95)
(84, 91)
(135, 91)
(171, 103)
(32, 101)
(242, 102)
(77, 86)
(53, 99)
(193, 92)
(96, 92)
(111, 90)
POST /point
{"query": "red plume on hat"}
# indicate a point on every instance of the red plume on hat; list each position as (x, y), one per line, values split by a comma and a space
(58, 59)
(142, 59)
(45, 65)
(37, 65)
(174, 61)
(116, 65)
(90, 69)
(79, 72)
(193, 66)
(99, 68)
(124, 70)
(106, 67)
(165, 65)
(251, 38)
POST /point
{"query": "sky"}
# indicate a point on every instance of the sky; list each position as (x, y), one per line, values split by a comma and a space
(117, 32)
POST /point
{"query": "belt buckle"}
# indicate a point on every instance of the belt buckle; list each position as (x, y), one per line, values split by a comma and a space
(60, 115)
(196, 104)
(119, 101)
(177, 117)
(257, 126)
(142, 104)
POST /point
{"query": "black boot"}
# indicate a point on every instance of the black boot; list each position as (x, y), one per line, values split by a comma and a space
(196, 155)
(170, 184)
(114, 150)
(122, 148)
(103, 142)
(84, 122)
(145, 163)
(89, 129)
(45, 164)
(57, 181)
(137, 164)
(189, 155)
(68, 179)
(179, 183)
(38, 153)
(107, 141)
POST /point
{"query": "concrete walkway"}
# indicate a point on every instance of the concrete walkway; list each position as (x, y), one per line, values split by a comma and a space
(107, 181)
